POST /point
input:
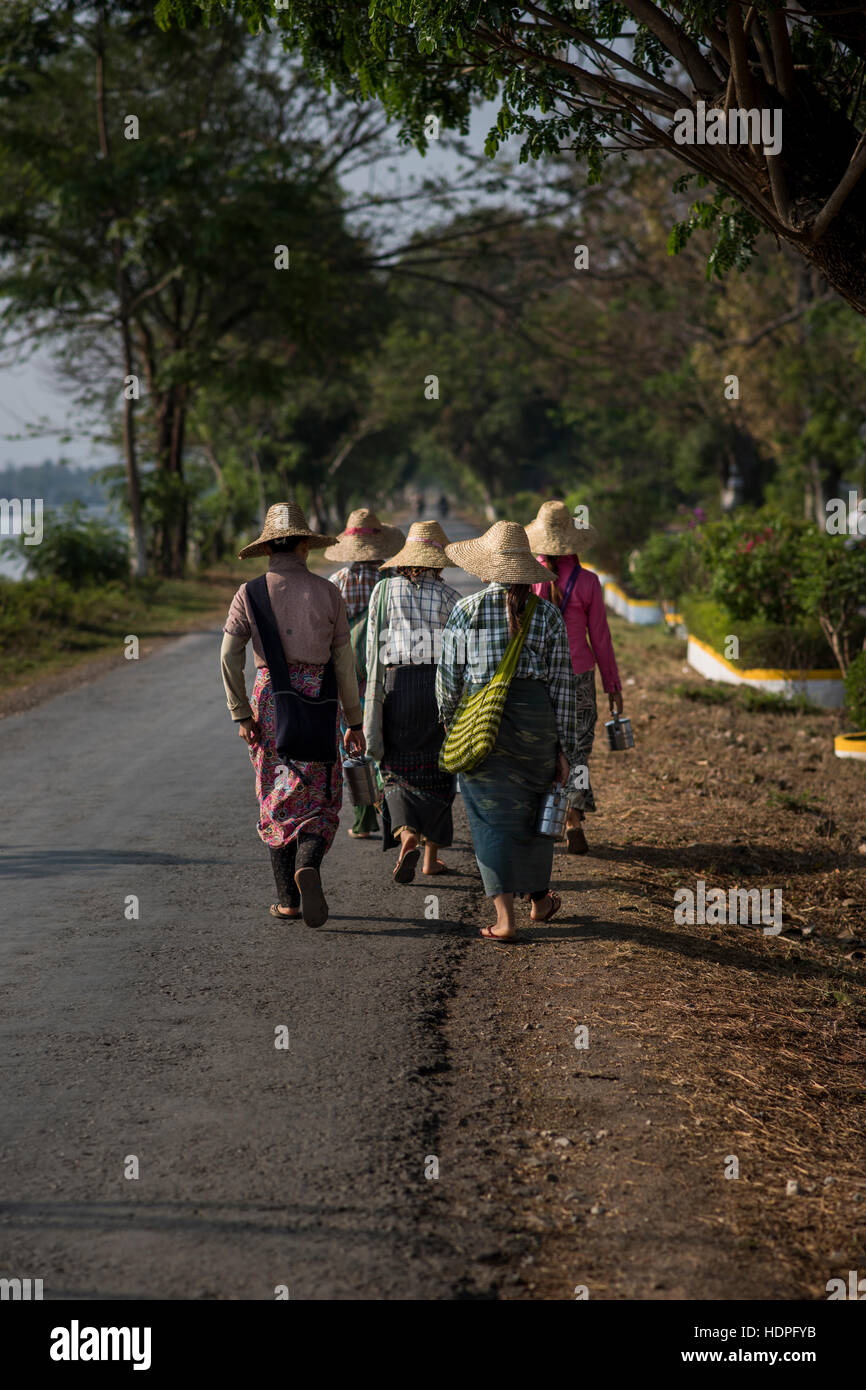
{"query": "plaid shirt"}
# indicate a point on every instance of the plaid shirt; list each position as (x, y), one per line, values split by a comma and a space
(356, 583)
(414, 618)
(544, 656)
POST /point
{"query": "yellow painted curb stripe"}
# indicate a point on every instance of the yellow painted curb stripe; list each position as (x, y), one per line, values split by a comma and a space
(850, 743)
(635, 602)
(760, 675)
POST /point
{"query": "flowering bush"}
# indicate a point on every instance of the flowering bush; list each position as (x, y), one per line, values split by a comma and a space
(755, 565)
(787, 586)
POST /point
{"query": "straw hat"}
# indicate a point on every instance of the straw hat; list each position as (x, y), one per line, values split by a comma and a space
(555, 531)
(424, 548)
(502, 553)
(365, 538)
(284, 520)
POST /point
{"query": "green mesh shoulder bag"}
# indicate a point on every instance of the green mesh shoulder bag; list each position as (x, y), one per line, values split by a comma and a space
(472, 736)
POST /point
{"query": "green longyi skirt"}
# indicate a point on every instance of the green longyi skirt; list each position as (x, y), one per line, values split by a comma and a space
(503, 796)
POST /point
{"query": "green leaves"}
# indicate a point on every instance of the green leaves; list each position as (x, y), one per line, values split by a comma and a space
(734, 227)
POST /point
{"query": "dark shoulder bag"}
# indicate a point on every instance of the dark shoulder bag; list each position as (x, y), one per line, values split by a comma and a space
(306, 726)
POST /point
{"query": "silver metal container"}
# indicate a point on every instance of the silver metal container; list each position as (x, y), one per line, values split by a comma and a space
(551, 819)
(619, 734)
(361, 780)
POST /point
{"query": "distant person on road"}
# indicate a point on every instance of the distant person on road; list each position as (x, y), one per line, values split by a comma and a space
(537, 737)
(578, 594)
(444, 507)
(420, 504)
(409, 608)
(300, 634)
(362, 547)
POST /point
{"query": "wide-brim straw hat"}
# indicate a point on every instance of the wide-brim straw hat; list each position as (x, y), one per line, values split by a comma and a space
(502, 553)
(284, 519)
(556, 532)
(424, 548)
(365, 538)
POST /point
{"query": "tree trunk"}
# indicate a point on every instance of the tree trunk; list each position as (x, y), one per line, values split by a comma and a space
(172, 530)
(260, 487)
(133, 483)
(130, 456)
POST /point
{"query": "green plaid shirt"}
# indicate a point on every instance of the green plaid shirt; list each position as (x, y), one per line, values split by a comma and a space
(474, 642)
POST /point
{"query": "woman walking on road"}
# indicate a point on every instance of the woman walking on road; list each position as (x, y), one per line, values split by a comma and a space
(578, 594)
(408, 611)
(300, 634)
(537, 736)
(361, 548)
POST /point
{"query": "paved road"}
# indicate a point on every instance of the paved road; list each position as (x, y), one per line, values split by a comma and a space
(153, 1036)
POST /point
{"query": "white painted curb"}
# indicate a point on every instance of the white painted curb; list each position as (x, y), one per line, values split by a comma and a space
(824, 688)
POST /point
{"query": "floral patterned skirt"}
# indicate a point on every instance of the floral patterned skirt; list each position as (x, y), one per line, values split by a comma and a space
(297, 798)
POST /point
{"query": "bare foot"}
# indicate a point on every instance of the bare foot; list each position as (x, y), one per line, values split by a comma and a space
(543, 911)
(437, 867)
(496, 933)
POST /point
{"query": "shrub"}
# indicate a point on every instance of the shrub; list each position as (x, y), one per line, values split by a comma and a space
(665, 567)
(754, 563)
(855, 691)
(762, 644)
(78, 549)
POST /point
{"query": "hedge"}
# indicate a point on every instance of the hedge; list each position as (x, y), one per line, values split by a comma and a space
(762, 645)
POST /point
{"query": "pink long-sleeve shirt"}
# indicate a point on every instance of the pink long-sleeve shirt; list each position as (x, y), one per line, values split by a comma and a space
(585, 615)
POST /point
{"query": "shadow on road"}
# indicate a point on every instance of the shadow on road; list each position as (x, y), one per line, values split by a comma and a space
(47, 861)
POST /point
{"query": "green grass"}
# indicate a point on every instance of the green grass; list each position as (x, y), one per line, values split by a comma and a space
(744, 697)
(710, 694)
(799, 802)
(767, 701)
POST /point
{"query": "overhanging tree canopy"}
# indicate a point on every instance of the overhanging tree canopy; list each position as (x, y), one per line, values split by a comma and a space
(611, 78)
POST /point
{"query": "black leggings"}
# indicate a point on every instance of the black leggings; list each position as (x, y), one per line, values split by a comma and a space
(306, 852)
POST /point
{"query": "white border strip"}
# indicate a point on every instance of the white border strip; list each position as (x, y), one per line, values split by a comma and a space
(829, 692)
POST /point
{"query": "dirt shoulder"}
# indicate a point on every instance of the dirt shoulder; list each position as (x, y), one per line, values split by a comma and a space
(604, 1167)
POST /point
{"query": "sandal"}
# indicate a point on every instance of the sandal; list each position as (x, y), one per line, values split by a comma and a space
(405, 870)
(490, 935)
(556, 900)
(287, 916)
(314, 908)
(440, 869)
(360, 834)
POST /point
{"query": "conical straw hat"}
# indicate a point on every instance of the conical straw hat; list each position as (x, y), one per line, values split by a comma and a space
(502, 553)
(283, 520)
(365, 538)
(424, 548)
(555, 531)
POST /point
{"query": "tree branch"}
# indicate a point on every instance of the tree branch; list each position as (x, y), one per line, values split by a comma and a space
(833, 205)
(781, 322)
(678, 43)
(740, 69)
(783, 62)
(589, 41)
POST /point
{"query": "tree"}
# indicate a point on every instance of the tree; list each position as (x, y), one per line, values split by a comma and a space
(147, 242)
(830, 587)
(622, 76)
